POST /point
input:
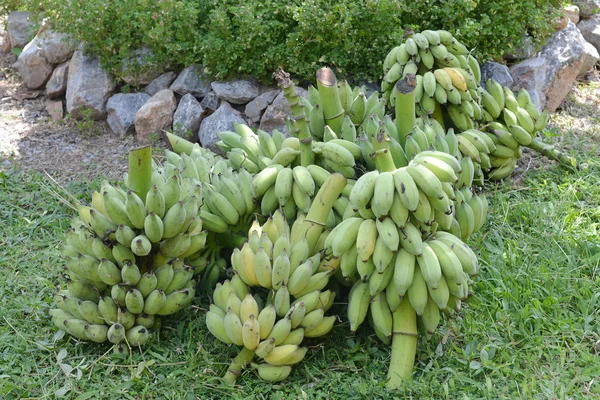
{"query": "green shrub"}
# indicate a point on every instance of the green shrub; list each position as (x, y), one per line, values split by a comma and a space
(253, 37)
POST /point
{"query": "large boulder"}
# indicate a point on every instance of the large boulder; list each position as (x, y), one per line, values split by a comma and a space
(254, 109)
(57, 84)
(566, 55)
(522, 51)
(587, 8)
(531, 75)
(121, 109)
(277, 113)
(239, 91)
(187, 117)
(20, 28)
(89, 86)
(590, 59)
(155, 115)
(223, 119)
(498, 72)
(590, 30)
(57, 47)
(137, 69)
(161, 82)
(191, 80)
(32, 65)
(571, 12)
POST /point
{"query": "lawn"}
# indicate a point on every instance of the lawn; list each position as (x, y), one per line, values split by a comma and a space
(531, 330)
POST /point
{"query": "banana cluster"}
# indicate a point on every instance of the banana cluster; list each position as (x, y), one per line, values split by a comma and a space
(124, 258)
(276, 258)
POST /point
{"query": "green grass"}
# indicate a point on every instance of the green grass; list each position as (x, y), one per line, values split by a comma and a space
(530, 331)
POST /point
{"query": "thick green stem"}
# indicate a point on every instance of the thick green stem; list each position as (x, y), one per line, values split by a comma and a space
(404, 344)
(553, 154)
(315, 220)
(384, 162)
(177, 144)
(405, 106)
(330, 98)
(139, 176)
(235, 368)
(302, 129)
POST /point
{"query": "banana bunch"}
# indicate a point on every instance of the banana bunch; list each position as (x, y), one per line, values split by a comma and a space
(124, 257)
(276, 258)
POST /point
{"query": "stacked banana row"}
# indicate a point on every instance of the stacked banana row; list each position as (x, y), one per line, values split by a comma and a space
(124, 258)
(278, 259)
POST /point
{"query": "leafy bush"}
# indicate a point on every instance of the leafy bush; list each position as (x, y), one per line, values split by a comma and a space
(253, 37)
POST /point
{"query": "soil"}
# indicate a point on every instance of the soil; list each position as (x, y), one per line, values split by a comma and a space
(70, 150)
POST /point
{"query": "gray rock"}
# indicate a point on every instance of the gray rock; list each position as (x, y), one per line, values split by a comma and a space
(190, 80)
(20, 28)
(276, 114)
(138, 70)
(161, 82)
(523, 51)
(223, 119)
(210, 102)
(57, 47)
(121, 109)
(187, 117)
(57, 84)
(32, 65)
(531, 75)
(156, 115)
(565, 53)
(587, 8)
(590, 30)
(590, 59)
(256, 107)
(239, 91)
(499, 72)
(89, 86)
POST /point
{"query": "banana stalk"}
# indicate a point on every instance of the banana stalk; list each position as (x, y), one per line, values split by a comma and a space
(235, 368)
(405, 106)
(404, 344)
(553, 154)
(307, 156)
(383, 158)
(315, 220)
(332, 105)
(139, 177)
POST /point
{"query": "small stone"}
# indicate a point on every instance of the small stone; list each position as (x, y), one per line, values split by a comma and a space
(256, 107)
(191, 80)
(571, 12)
(187, 117)
(20, 28)
(223, 119)
(57, 84)
(276, 114)
(55, 109)
(32, 65)
(500, 73)
(210, 102)
(561, 23)
(587, 8)
(161, 82)
(590, 29)
(239, 91)
(590, 59)
(155, 116)
(57, 47)
(121, 109)
(89, 86)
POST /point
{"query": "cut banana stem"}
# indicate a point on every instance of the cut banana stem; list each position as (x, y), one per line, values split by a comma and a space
(235, 368)
(553, 154)
(332, 106)
(405, 106)
(404, 344)
(139, 177)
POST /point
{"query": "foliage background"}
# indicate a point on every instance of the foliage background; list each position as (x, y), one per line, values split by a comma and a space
(253, 37)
